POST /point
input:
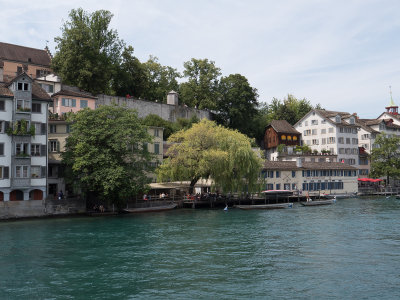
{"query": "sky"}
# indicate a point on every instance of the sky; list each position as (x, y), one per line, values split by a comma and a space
(342, 54)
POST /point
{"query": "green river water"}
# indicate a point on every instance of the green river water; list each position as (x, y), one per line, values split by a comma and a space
(349, 250)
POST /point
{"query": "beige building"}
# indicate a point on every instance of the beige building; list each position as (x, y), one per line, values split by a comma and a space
(310, 177)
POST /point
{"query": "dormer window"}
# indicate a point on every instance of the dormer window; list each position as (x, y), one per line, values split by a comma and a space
(338, 119)
(23, 86)
(351, 120)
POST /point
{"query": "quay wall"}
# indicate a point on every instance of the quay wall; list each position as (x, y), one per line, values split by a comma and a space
(144, 108)
(40, 208)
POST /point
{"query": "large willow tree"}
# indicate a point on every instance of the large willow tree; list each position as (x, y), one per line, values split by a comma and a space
(207, 150)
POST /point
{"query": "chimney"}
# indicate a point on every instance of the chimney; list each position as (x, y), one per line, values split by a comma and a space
(1, 70)
(172, 98)
(299, 163)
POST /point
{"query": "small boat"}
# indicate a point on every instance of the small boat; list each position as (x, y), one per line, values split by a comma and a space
(265, 206)
(149, 209)
(318, 202)
(397, 196)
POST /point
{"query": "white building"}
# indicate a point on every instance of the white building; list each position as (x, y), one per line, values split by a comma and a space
(23, 140)
(336, 132)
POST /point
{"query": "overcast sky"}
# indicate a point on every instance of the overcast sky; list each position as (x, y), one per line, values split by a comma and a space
(341, 54)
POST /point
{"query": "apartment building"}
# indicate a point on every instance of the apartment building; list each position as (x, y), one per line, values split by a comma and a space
(23, 139)
(331, 131)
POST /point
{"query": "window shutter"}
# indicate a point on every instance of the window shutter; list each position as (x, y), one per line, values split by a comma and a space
(58, 146)
(6, 126)
(42, 150)
(43, 128)
(6, 172)
(43, 172)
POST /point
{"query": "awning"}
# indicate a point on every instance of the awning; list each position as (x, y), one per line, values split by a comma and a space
(369, 179)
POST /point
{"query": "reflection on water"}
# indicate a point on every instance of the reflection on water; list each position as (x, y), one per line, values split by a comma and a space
(349, 250)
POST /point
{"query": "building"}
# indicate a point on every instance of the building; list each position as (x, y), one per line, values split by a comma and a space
(280, 132)
(332, 131)
(23, 139)
(71, 99)
(310, 177)
(15, 60)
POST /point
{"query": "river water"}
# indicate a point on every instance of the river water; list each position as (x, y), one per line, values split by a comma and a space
(349, 250)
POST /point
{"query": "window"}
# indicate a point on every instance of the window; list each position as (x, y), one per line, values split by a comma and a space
(351, 120)
(1, 148)
(338, 119)
(331, 140)
(22, 149)
(54, 146)
(84, 103)
(49, 88)
(23, 86)
(306, 123)
(340, 140)
(278, 186)
(145, 147)
(53, 128)
(36, 107)
(4, 172)
(156, 133)
(323, 121)
(293, 174)
(314, 132)
(315, 142)
(2, 105)
(19, 70)
(68, 102)
(323, 131)
(295, 138)
(289, 137)
(323, 141)
(35, 150)
(355, 141)
(156, 148)
(68, 128)
(278, 174)
(330, 130)
(347, 140)
(21, 171)
(314, 122)
(23, 105)
(307, 132)
(35, 171)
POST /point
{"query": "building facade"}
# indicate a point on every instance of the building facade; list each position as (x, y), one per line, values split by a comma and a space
(15, 60)
(23, 140)
(309, 177)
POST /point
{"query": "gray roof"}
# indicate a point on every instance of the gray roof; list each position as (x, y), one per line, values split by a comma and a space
(291, 165)
(283, 126)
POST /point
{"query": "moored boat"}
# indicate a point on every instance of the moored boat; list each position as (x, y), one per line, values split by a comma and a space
(265, 206)
(318, 202)
(150, 209)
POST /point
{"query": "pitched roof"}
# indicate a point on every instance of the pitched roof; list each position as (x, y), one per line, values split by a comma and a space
(24, 54)
(328, 114)
(283, 126)
(291, 165)
(38, 93)
(73, 91)
(4, 90)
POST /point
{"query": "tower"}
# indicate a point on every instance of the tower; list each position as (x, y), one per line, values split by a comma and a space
(392, 108)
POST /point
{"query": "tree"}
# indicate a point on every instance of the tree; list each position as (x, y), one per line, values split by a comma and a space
(385, 157)
(130, 78)
(87, 51)
(237, 104)
(201, 88)
(207, 150)
(160, 80)
(104, 153)
(155, 120)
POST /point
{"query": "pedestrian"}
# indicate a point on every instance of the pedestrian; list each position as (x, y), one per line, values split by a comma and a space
(60, 195)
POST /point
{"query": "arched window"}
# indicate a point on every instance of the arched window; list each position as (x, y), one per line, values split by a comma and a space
(289, 137)
(295, 138)
(283, 137)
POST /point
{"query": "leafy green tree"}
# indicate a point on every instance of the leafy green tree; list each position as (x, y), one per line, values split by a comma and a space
(160, 80)
(104, 153)
(130, 78)
(207, 150)
(87, 51)
(201, 88)
(155, 120)
(385, 157)
(237, 104)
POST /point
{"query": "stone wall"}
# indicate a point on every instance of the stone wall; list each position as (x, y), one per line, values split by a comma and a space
(165, 111)
(40, 208)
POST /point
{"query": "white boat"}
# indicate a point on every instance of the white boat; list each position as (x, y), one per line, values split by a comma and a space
(318, 202)
(265, 206)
